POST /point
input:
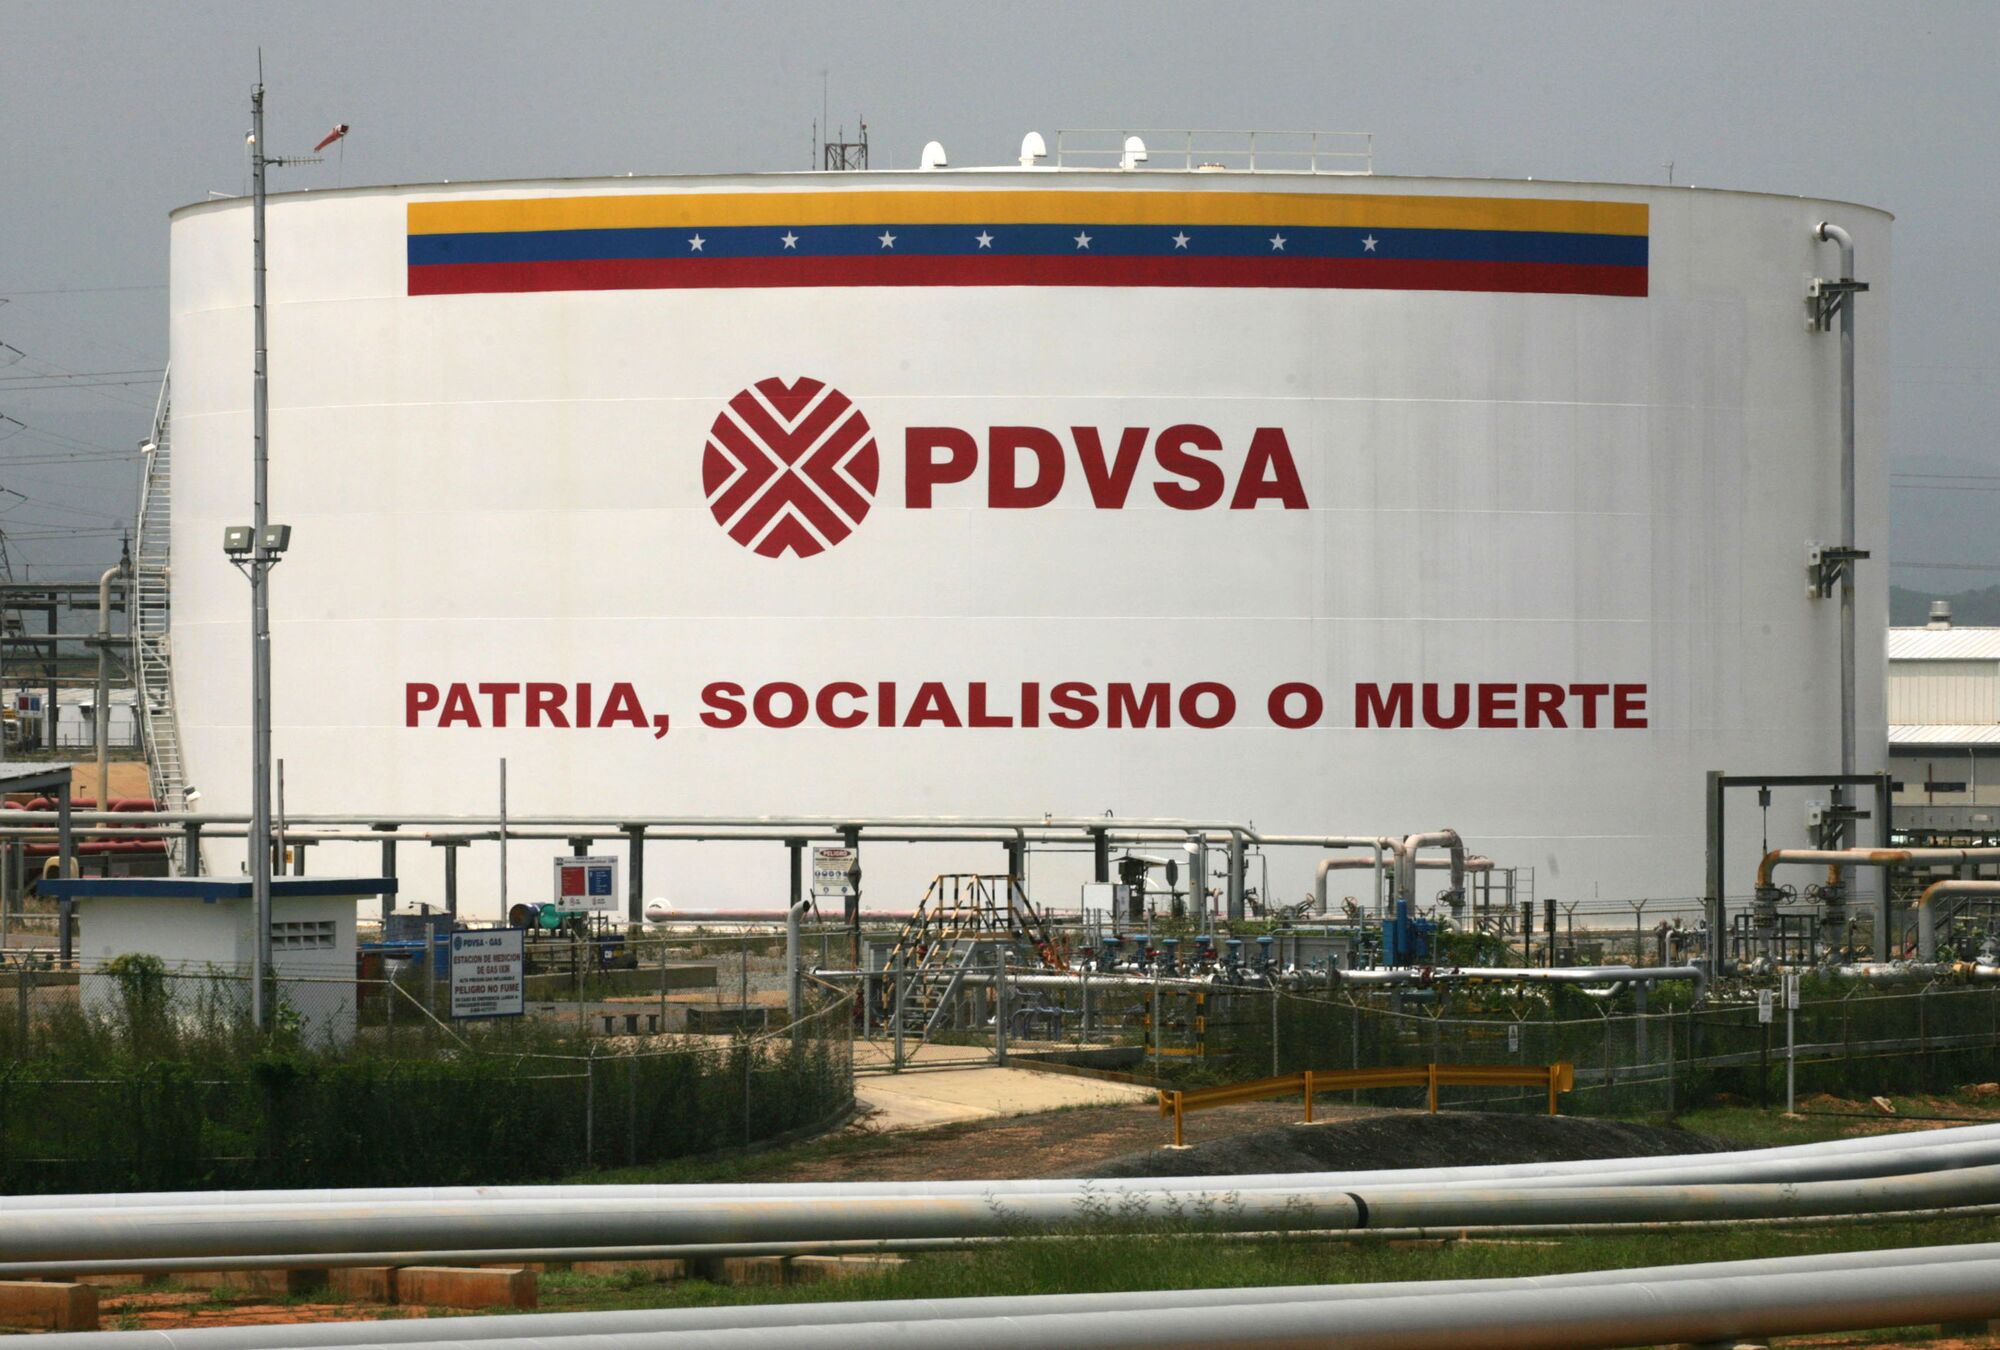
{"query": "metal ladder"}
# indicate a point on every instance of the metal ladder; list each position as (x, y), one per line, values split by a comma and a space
(152, 557)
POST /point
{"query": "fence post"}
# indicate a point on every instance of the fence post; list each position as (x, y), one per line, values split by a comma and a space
(1309, 1096)
(1924, 1033)
(632, 1110)
(900, 983)
(589, 1103)
(1000, 1011)
(1764, 1069)
(1274, 1031)
(1433, 1076)
(1177, 1121)
(749, 1050)
(1156, 1021)
(1354, 1097)
(1670, 1063)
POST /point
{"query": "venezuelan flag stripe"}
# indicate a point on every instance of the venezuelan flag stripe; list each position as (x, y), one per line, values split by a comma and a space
(1019, 238)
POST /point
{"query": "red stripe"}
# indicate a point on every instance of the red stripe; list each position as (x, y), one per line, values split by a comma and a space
(1386, 274)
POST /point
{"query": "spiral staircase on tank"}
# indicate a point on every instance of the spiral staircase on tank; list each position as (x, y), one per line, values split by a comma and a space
(152, 653)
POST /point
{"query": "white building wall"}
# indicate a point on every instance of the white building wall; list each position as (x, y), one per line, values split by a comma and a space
(1936, 693)
(202, 944)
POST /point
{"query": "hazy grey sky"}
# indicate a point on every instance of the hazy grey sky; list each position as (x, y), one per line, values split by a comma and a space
(117, 112)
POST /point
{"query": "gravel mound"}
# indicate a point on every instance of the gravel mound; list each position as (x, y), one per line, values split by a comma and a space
(1448, 1139)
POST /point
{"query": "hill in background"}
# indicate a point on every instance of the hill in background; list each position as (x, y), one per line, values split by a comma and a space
(1969, 609)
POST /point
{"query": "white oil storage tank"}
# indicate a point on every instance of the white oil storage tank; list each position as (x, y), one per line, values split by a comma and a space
(1332, 503)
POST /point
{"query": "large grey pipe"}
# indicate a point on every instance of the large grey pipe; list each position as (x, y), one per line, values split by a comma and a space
(1406, 871)
(1585, 1317)
(102, 713)
(1927, 910)
(1871, 1155)
(364, 1234)
(1877, 1265)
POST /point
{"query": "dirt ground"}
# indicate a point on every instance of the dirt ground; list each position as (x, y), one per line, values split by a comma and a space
(1458, 1138)
(1054, 1144)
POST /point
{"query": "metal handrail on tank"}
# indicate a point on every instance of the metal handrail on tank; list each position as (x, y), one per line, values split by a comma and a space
(1191, 149)
(148, 620)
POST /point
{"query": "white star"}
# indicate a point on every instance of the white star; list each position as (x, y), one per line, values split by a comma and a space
(1278, 243)
(1083, 241)
(1368, 244)
(1181, 240)
(696, 243)
(888, 240)
(789, 240)
(985, 239)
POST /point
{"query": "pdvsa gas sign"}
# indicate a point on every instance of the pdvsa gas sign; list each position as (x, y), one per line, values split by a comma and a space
(794, 468)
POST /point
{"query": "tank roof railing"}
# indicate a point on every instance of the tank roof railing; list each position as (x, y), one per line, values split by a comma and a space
(1333, 152)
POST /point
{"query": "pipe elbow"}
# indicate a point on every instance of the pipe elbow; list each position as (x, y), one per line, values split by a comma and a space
(1828, 232)
(1768, 865)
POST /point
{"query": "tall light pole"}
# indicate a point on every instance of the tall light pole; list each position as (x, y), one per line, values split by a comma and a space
(256, 550)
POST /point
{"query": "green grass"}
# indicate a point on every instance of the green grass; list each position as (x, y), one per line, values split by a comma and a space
(1106, 1264)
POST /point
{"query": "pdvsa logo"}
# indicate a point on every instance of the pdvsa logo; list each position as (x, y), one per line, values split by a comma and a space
(793, 468)
(789, 467)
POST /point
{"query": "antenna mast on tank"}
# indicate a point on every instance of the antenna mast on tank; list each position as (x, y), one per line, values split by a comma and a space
(846, 154)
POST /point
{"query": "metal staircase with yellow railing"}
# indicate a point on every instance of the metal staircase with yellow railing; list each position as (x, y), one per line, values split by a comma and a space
(965, 921)
(152, 655)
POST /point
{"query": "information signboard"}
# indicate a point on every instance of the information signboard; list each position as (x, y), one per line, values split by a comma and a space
(587, 884)
(488, 970)
(833, 871)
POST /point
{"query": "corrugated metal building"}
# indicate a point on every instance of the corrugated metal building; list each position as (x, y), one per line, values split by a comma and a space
(1944, 715)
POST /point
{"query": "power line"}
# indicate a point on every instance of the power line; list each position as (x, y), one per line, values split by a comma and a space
(85, 290)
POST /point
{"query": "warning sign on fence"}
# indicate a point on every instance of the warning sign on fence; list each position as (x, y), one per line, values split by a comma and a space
(487, 970)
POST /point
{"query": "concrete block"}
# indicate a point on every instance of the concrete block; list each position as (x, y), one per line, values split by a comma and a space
(363, 1284)
(661, 1271)
(820, 1269)
(113, 1281)
(466, 1287)
(739, 1269)
(50, 1305)
(275, 1283)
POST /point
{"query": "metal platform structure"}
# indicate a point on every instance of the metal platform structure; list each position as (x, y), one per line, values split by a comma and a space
(966, 921)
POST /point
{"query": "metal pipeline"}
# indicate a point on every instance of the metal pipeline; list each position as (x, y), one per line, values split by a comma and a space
(1406, 873)
(368, 1234)
(565, 1326)
(1764, 910)
(1472, 863)
(101, 715)
(1585, 1318)
(1716, 1308)
(1377, 846)
(1872, 1155)
(1871, 857)
(1927, 911)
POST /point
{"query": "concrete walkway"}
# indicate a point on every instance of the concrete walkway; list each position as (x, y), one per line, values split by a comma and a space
(921, 1099)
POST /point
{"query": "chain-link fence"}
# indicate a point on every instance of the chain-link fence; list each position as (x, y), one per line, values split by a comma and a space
(1856, 1041)
(126, 1076)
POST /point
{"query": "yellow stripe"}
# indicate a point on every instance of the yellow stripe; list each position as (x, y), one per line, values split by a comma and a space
(930, 207)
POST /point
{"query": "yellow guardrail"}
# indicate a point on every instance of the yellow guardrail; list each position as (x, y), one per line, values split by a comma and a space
(1557, 1078)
